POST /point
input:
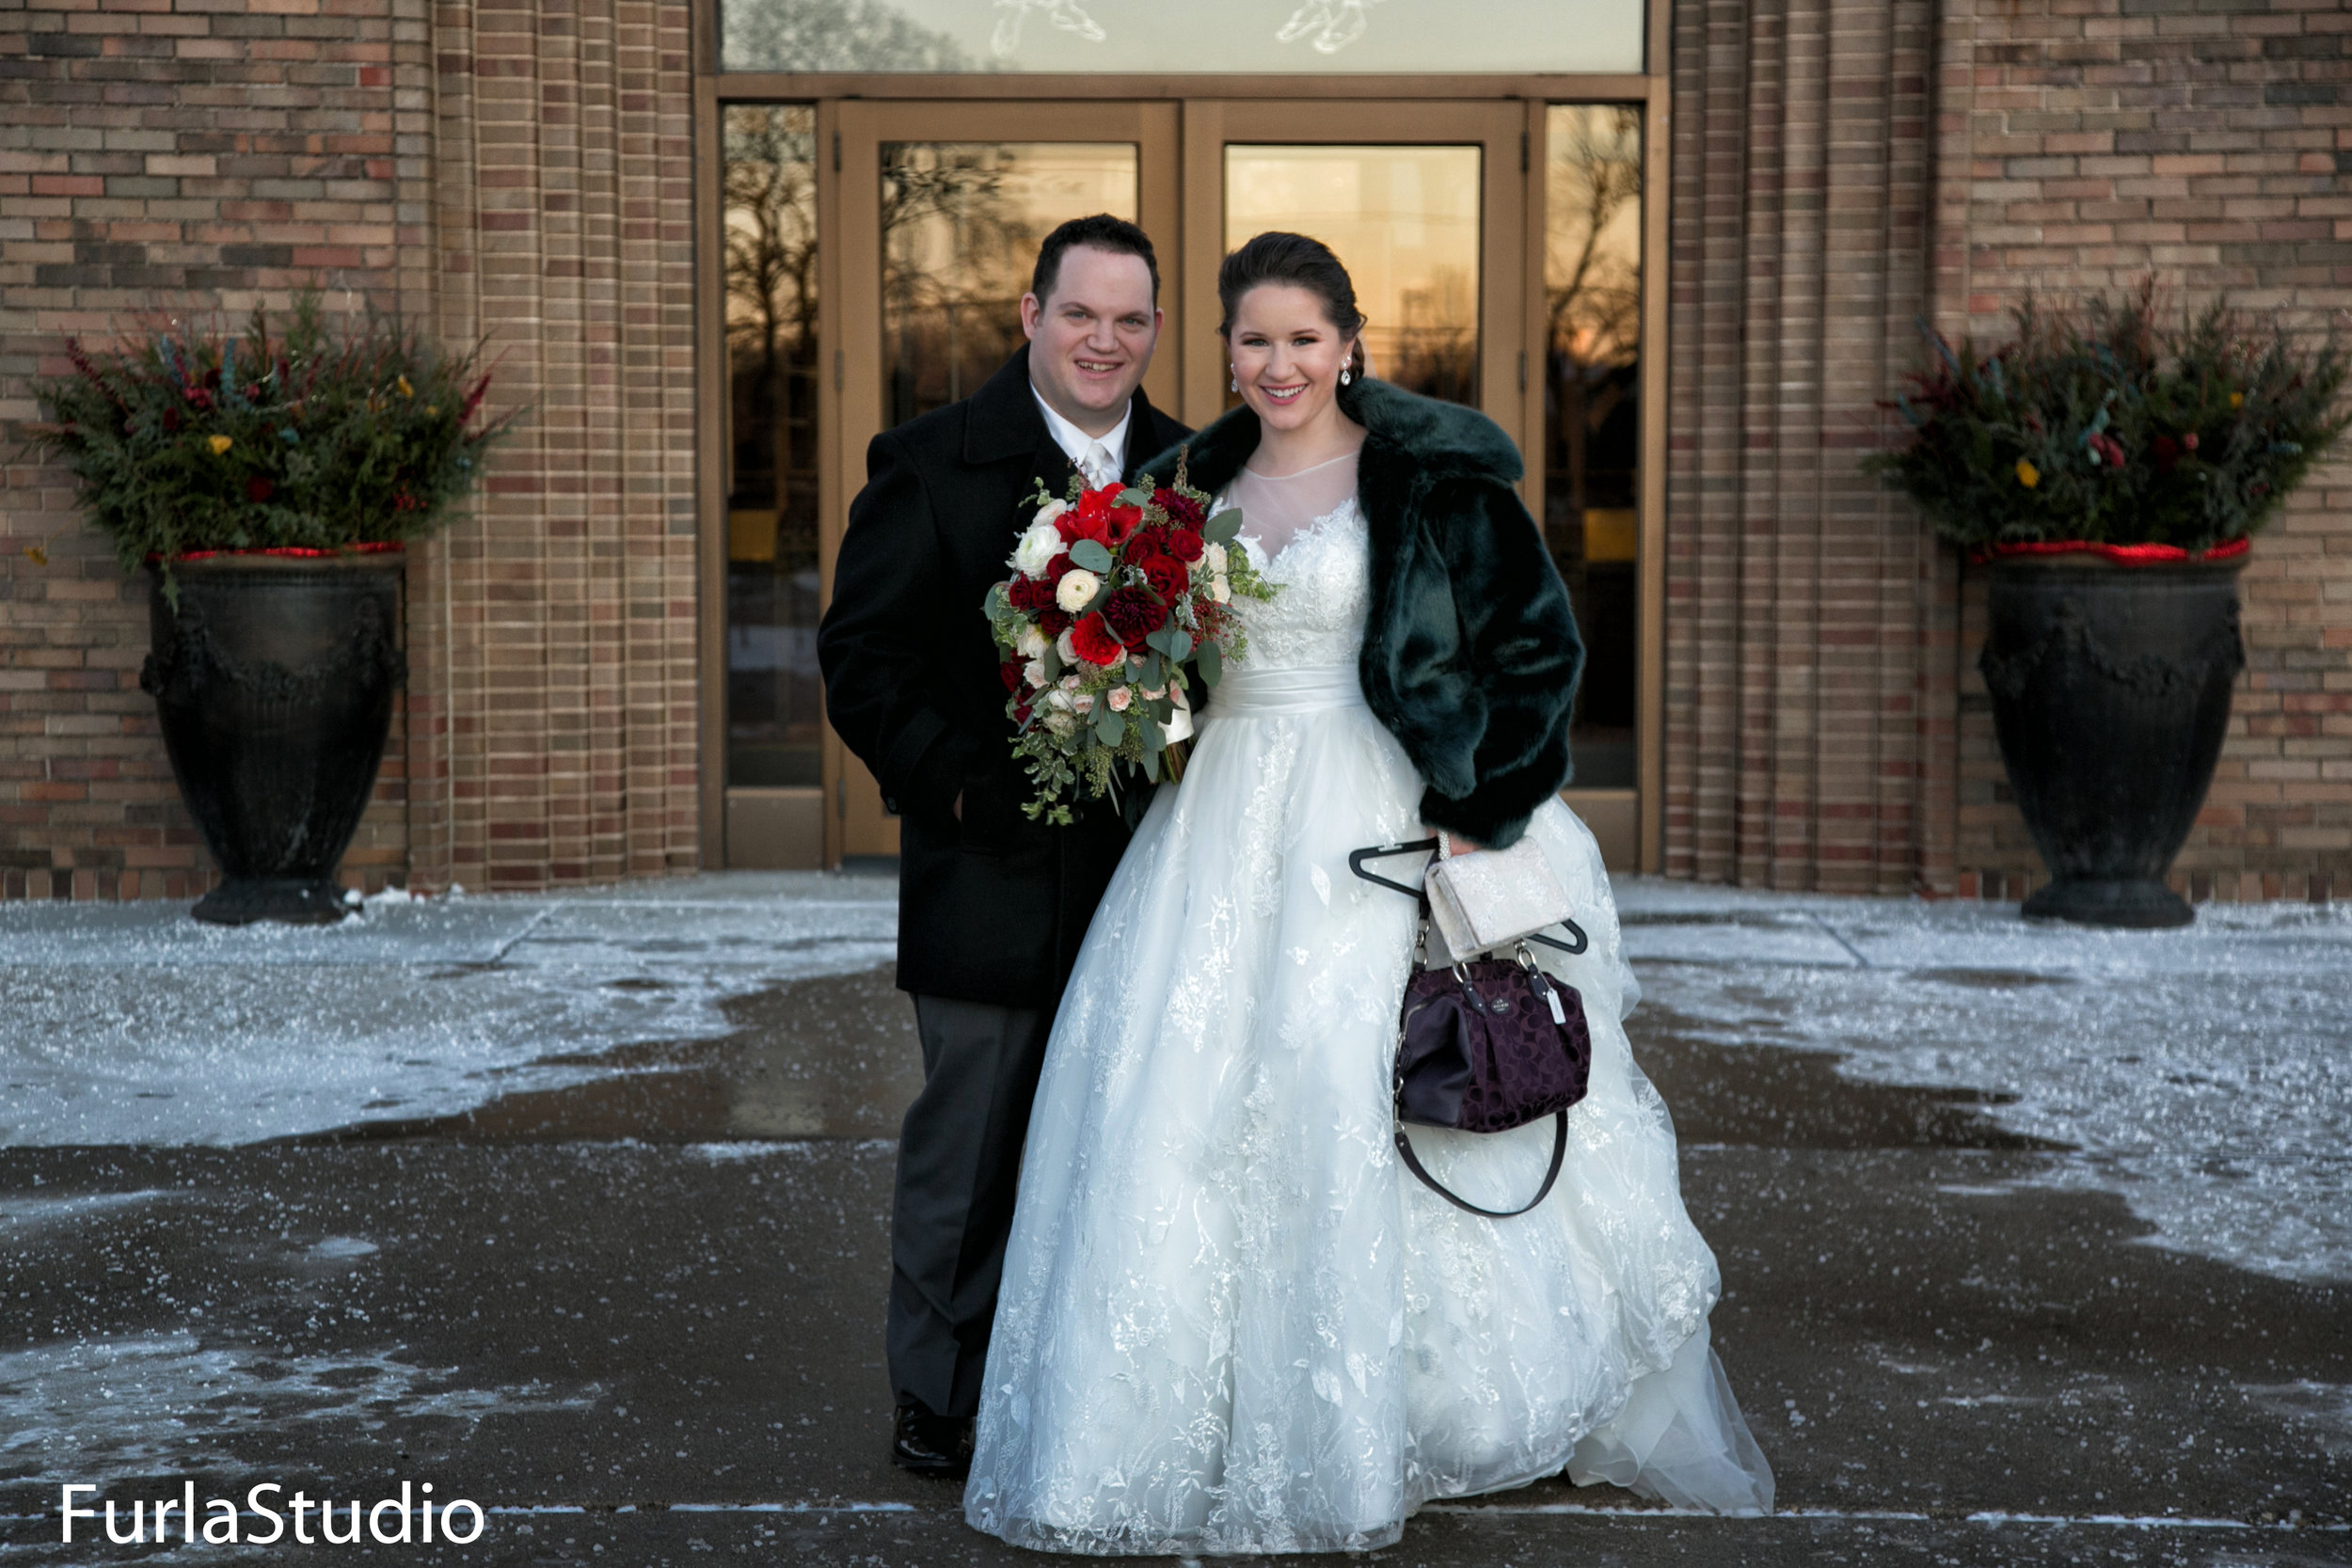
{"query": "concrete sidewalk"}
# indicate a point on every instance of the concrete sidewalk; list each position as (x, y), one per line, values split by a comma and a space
(2033, 1241)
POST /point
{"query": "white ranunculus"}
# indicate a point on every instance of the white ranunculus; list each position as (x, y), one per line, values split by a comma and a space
(1058, 701)
(1078, 590)
(1037, 549)
(1031, 643)
(1034, 671)
(1068, 650)
(1221, 589)
(1214, 555)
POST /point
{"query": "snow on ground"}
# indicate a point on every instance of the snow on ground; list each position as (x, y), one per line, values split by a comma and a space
(2205, 1073)
(134, 1024)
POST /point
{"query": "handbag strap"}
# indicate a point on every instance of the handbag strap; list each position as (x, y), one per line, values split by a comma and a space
(1559, 1154)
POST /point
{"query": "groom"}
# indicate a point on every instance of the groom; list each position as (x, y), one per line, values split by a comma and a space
(992, 906)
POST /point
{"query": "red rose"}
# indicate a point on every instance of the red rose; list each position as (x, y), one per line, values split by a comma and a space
(1146, 541)
(1009, 672)
(1169, 577)
(1134, 615)
(1096, 643)
(1053, 623)
(1180, 509)
(1057, 569)
(1029, 594)
(1185, 545)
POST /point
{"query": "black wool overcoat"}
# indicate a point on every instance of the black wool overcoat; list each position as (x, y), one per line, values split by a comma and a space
(992, 908)
(1470, 654)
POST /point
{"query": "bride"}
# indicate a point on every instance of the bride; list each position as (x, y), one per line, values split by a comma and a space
(1230, 1321)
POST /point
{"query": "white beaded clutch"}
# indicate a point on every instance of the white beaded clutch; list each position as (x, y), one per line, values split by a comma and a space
(1490, 898)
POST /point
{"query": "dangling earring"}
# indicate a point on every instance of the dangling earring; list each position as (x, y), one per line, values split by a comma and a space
(1232, 382)
(1345, 377)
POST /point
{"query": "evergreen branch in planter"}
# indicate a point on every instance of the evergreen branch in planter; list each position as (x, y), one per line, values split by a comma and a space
(2117, 424)
(326, 437)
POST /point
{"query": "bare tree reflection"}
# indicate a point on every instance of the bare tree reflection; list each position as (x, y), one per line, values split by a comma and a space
(770, 246)
(1592, 437)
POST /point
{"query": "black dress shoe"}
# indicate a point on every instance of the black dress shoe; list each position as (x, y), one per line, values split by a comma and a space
(931, 1445)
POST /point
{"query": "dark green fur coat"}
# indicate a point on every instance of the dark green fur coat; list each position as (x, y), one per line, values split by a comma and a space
(1470, 652)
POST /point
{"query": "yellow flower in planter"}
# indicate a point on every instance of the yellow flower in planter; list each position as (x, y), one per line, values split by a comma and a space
(2027, 475)
(407, 390)
(221, 444)
(2237, 400)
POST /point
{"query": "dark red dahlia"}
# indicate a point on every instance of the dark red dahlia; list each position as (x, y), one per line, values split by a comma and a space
(1185, 545)
(1181, 508)
(1134, 615)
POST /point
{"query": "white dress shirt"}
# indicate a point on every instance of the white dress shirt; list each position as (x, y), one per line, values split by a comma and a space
(1097, 458)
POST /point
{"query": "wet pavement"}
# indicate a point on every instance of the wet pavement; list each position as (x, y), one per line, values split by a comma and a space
(628, 1301)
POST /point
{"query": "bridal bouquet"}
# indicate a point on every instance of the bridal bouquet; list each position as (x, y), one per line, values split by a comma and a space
(1115, 595)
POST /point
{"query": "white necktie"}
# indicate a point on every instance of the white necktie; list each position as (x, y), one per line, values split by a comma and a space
(1099, 469)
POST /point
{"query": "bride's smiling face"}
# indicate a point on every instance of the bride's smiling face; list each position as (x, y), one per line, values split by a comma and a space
(1287, 356)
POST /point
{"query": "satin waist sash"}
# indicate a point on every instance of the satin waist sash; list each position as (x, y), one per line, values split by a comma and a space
(1247, 693)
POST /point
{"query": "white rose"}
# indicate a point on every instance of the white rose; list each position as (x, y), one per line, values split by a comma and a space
(1049, 514)
(1078, 590)
(1031, 643)
(1222, 590)
(1082, 702)
(1037, 549)
(1214, 555)
(1069, 652)
(1120, 698)
(1034, 673)
(1068, 683)
(1060, 722)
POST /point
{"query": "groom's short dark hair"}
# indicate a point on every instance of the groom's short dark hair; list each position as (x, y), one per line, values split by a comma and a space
(1099, 232)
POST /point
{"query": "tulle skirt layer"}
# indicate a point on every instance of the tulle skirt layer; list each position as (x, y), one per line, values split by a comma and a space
(1230, 1321)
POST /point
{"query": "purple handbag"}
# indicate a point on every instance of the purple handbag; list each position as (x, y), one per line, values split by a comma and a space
(1485, 1047)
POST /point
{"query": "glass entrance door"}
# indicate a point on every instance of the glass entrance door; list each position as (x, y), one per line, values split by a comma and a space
(1496, 246)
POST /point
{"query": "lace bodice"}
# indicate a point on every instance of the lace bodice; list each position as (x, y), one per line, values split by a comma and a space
(1324, 575)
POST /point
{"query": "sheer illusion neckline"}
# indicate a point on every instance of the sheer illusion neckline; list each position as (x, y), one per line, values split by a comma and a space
(1275, 511)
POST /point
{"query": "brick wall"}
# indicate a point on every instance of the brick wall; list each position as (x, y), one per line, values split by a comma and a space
(1825, 726)
(521, 169)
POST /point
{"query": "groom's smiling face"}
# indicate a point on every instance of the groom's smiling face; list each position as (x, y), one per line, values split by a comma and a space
(1090, 340)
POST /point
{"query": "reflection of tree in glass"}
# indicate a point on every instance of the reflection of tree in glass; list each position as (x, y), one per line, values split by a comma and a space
(774, 714)
(770, 262)
(832, 35)
(1433, 349)
(957, 254)
(1592, 274)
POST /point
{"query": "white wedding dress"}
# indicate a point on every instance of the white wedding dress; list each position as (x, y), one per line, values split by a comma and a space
(1230, 1320)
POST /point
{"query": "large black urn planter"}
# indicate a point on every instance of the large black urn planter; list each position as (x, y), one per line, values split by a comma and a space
(274, 681)
(2110, 688)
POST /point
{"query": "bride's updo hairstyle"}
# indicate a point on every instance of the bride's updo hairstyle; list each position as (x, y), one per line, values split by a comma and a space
(1301, 261)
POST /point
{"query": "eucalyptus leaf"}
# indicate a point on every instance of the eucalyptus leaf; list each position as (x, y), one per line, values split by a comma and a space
(1221, 529)
(1135, 496)
(1110, 725)
(1179, 644)
(1212, 664)
(1089, 554)
(1150, 761)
